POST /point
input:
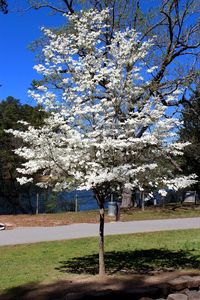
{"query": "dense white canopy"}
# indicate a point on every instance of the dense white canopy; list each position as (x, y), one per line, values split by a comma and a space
(103, 129)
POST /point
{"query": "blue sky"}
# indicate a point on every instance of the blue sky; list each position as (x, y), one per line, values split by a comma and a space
(18, 30)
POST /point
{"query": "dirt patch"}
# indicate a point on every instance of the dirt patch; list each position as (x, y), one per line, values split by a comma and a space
(87, 288)
(13, 221)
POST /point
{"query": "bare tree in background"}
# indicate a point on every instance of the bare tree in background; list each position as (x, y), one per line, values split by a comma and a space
(4, 6)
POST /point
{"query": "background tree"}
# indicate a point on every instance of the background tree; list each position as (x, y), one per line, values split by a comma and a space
(11, 111)
(190, 131)
(4, 6)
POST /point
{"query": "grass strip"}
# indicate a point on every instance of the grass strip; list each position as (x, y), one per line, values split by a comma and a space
(133, 253)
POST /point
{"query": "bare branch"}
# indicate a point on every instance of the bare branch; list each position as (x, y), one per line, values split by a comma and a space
(174, 163)
(4, 6)
(39, 6)
(170, 25)
(136, 14)
(69, 5)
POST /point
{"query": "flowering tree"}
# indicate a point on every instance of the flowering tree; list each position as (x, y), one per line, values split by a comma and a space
(104, 133)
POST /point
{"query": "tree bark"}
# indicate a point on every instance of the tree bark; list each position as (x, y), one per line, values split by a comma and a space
(100, 197)
(102, 270)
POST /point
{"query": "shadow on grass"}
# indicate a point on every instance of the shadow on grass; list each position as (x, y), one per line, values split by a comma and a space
(131, 262)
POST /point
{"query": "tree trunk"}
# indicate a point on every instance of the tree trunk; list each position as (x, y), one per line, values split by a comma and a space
(126, 198)
(102, 270)
(100, 200)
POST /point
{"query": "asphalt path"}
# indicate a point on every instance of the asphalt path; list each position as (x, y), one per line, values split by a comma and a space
(41, 234)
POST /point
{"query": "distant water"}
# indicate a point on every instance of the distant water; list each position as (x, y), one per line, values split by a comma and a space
(85, 199)
(63, 201)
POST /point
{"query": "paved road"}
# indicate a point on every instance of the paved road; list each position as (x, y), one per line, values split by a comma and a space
(39, 234)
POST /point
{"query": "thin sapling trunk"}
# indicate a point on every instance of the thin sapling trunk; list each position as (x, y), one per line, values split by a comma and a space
(100, 201)
(102, 269)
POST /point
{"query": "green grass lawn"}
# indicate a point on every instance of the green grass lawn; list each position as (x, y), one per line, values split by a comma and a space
(170, 211)
(46, 262)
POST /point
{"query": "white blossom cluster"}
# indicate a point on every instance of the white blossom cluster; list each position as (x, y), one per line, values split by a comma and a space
(105, 129)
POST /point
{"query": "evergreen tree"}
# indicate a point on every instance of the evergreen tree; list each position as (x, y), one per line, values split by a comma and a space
(11, 111)
(191, 132)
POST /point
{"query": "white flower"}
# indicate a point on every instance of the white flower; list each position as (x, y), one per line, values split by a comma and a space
(152, 69)
(42, 88)
(162, 192)
(24, 180)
